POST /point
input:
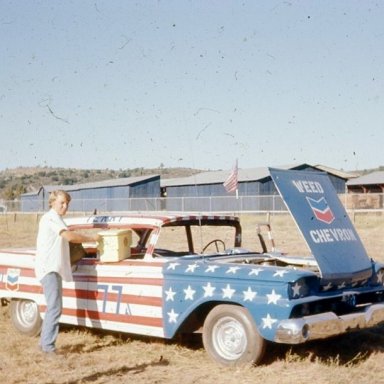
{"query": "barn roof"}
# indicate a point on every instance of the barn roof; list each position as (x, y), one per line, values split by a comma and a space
(244, 175)
(336, 172)
(374, 178)
(120, 182)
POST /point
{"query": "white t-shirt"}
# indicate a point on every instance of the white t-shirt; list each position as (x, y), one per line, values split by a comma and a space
(52, 253)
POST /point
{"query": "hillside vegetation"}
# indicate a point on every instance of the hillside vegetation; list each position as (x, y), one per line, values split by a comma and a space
(16, 181)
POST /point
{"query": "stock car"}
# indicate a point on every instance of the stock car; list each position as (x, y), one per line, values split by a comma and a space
(169, 274)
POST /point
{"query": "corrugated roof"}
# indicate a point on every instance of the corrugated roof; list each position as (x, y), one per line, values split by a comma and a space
(217, 177)
(244, 175)
(124, 181)
(337, 172)
(369, 179)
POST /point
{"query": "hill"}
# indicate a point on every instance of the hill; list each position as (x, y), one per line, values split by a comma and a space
(16, 181)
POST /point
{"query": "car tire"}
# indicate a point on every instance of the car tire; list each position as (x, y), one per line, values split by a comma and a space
(230, 336)
(25, 317)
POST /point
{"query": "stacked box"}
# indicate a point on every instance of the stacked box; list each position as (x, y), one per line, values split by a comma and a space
(115, 245)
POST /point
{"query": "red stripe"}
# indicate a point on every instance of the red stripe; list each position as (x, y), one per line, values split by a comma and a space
(124, 262)
(16, 252)
(27, 272)
(23, 288)
(126, 280)
(127, 319)
(112, 297)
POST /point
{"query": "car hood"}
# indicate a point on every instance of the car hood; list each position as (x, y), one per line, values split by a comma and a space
(325, 225)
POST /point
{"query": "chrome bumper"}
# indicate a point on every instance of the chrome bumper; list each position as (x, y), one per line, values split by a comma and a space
(295, 331)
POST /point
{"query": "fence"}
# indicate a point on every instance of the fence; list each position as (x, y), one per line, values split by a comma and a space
(274, 203)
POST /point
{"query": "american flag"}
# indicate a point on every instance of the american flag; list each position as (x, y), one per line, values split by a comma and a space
(230, 184)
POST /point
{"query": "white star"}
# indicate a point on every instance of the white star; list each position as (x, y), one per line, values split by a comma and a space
(173, 266)
(296, 289)
(327, 287)
(172, 316)
(280, 273)
(380, 276)
(191, 268)
(249, 295)
(228, 292)
(255, 271)
(189, 292)
(342, 285)
(170, 294)
(232, 270)
(208, 290)
(273, 297)
(211, 268)
(268, 321)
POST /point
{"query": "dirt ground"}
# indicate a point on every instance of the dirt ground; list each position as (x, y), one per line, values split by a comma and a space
(103, 357)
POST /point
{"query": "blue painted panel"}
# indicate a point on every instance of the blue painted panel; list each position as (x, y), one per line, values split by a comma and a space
(324, 223)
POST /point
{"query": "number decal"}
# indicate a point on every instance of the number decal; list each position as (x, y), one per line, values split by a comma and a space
(114, 288)
(119, 289)
(104, 287)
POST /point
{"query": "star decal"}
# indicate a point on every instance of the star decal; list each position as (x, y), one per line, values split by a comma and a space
(208, 290)
(172, 266)
(296, 289)
(170, 294)
(172, 316)
(191, 267)
(273, 297)
(268, 321)
(232, 270)
(255, 271)
(249, 295)
(228, 292)
(380, 276)
(327, 287)
(342, 285)
(280, 273)
(211, 268)
(189, 293)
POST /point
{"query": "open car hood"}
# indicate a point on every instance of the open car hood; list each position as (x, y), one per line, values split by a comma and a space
(325, 225)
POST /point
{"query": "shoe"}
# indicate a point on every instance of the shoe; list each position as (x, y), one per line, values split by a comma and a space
(50, 354)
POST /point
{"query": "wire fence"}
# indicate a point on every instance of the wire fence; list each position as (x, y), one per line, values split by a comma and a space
(243, 204)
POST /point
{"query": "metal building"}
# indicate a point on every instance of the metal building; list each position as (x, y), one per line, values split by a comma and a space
(251, 182)
(366, 192)
(107, 195)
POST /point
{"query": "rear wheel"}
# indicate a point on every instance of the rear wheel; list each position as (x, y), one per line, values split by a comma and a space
(25, 317)
(230, 336)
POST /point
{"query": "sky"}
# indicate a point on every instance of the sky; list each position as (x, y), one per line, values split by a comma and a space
(120, 84)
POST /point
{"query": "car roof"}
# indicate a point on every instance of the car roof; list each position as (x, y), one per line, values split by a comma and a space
(148, 220)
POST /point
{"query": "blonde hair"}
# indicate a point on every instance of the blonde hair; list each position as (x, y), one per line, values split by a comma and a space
(55, 194)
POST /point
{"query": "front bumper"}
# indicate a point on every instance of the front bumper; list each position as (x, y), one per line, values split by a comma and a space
(321, 326)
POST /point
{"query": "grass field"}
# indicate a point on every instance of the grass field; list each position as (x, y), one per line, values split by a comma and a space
(97, 357)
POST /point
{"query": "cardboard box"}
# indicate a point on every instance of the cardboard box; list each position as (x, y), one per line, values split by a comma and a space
(115, 245)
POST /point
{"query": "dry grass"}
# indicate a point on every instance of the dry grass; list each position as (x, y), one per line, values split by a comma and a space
(93, 356)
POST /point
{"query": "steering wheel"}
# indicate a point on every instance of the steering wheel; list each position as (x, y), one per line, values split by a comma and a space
(216, 242)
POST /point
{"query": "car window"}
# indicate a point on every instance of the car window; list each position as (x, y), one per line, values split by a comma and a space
(175, 238)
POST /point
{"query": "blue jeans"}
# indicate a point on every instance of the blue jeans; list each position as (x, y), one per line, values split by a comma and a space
(53, 292)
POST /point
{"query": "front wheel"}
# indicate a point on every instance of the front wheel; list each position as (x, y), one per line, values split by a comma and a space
(230, 336)
(25, 317)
